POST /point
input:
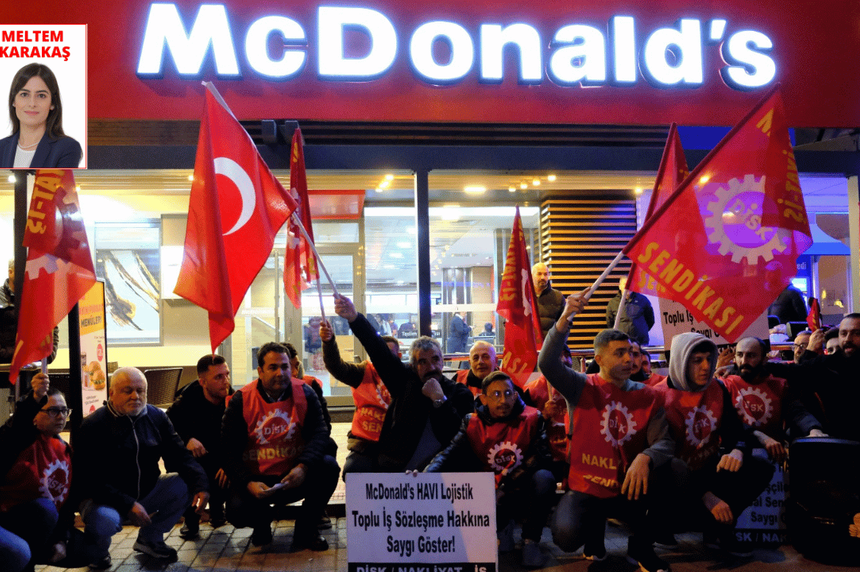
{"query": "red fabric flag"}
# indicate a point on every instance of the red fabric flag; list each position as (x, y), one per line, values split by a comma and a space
(673, 170)
(725, 243)
(813, 318)
(59, 267)
(236, 208)
(518, 306)
(299, 263)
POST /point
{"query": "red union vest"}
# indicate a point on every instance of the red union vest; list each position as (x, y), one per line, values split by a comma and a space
(556, 425)
(463, 376)
(42, 470)
(696, 415)
(371, 402)
(501, 446)
(609, 430)
(274, 429)
(758, 405)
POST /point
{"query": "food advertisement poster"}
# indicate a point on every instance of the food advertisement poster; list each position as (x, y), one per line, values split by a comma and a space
(91, 309)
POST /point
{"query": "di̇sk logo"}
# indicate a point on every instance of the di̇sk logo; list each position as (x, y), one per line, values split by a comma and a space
(55, 481)
(275, 426)
(700, 423)
(755, 406)
(505, 457)
(618, 425)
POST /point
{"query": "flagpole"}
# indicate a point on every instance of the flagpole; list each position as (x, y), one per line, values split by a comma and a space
(603, 276)
(316, 254)
(621, 307)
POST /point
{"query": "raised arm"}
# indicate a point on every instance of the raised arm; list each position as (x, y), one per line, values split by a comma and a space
(348, 373)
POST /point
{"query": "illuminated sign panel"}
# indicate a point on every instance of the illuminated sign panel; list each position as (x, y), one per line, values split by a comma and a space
(571, 54)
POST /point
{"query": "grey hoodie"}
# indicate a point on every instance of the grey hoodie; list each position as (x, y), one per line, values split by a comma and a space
(682, 348)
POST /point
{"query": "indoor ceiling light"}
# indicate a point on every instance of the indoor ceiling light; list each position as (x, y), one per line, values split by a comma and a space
(550, 178)
(536, 182)
(512, 188)
(637, 191)
(475, 189)
(389, 177)
(524, 185)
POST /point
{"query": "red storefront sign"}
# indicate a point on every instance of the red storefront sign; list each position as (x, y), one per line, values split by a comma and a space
(502, 61)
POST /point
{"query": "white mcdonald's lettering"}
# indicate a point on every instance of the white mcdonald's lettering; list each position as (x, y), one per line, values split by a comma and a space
(578, 54)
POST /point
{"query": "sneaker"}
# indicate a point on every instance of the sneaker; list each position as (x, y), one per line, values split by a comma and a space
(643, 555)
(262, 535)
(156, 549)
(101, 564)
(190, 530)
(313, 541)
(506, 538)
(532, 556)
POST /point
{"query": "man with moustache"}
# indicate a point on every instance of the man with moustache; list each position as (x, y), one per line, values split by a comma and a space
(426, 408)
(117, 451)
(275, 452)
(832, 377)
(482, 362)
(196, 415)
(550, 301)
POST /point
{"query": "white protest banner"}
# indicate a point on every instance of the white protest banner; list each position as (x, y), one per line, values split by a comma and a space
(429, 522)
(676, 319)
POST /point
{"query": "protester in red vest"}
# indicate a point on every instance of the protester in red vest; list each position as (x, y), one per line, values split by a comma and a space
(370, 396)
(35, 478)
(275, 443)
(619, 435)
(482, 362)
(721, 480)
(507, 437)
(552, 405)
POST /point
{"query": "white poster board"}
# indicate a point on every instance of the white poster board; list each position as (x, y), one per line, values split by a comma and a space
(429, 522)
(676, 319)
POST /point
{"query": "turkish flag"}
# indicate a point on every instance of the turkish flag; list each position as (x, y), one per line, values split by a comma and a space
(673, 170)
(518, 306)
(236, 208)
(299, 263)
(813, 318)
(725, 243)
(59, 268)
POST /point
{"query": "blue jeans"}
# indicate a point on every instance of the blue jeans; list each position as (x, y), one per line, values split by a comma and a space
(24, 532)
(166, 503)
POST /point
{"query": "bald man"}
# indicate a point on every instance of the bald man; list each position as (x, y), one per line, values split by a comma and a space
(482, 362)
(550, 301)
(117, 451)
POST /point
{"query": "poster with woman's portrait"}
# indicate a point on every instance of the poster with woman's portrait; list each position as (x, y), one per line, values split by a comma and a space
(43, 70)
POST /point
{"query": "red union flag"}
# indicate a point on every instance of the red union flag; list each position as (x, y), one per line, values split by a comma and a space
(518, 306)
(299, 263)
(235, 210)
(673, 170)
(59, 267)
(725, 243)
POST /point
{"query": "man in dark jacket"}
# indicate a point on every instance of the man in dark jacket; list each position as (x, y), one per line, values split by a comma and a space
(426, 408)
(196, 414)
(275, 443)
(118, 448)
(637, 317)
(550, 301)
(507, 437)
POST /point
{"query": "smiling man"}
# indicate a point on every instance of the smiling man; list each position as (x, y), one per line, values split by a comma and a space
(426, 408)
(482, 362)
(619, 435)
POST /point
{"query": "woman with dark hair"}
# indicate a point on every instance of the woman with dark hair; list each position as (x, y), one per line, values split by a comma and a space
(35, 477)
(36, 113)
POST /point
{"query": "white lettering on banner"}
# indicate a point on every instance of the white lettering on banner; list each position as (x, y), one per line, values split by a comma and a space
(578, 54)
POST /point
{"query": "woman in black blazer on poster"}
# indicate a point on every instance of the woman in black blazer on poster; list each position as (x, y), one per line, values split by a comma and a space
(36, 112)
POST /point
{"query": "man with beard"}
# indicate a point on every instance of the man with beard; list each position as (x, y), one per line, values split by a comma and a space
(482, 362)
(833, 378)
(550, 301)
(426, 408)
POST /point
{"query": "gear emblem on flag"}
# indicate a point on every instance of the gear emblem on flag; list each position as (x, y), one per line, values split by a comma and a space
(735, 222)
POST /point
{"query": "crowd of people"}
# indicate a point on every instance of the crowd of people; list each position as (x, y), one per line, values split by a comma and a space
(665, 454)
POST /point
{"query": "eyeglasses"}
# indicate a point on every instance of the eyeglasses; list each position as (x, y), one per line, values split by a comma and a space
(801, 346)
(56, 412)
(498, 395)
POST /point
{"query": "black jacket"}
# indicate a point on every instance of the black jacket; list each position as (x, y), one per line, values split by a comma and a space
(60, 153)
(194, 416)
(550, 304)
(410, 409)
(116, 457)
(638, 316)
